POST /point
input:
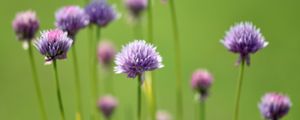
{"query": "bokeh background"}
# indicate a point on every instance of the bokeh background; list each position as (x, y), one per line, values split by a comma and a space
(202, 24)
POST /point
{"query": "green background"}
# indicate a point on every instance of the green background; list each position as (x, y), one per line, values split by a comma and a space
(202, 23)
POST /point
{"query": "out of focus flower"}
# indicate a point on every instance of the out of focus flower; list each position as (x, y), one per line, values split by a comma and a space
(71, 19)
(245, 39)
(136, 7)
(274, 106)
(162, 115)
(136, 58)
(100, 12)
(107, 105)
(53, 44)
(201, 82)
(106, 53)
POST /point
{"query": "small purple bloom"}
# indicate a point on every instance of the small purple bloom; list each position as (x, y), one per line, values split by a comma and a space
(107, 105)
(71, 19)
(25, 25)
(106, 53)
(54, 44)
(100, 12)
(245, 39)
(136, 58)
(274, 106)
(136, 7)
(201, 81)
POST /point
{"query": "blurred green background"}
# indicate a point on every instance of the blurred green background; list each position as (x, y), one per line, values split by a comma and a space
(202, 24)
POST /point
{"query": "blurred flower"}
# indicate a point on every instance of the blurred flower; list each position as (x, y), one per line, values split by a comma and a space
(201, 81)
(25, 25)
(136, 58)
(162, 115)
(245, 39)
(136, 7)
(53, 44)
(107, 105)
(100, 12)
(274, 106)
(106, 53)
(71, 19)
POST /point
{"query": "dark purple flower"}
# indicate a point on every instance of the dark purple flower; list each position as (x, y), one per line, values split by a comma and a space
(136, 58)
(274, 106)
(54, 44)
(107, 105)
(71, 19)
(201, 81)
(100, 12)
(106, 53)
(25, 25)
(136, 7)
(245, 39)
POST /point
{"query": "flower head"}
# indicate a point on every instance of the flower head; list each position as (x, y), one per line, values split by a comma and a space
(25, 25)
(201, 81)
(245, 39)
(71, 19)
(136, 7)
(100, 12)
(163, 115)
(106, 53)
(107, 105)
(136, 58)
(54, 44)
(274, 106)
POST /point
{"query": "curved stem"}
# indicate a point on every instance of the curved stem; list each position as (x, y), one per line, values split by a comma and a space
(202, 110)
(60, 102)
(37, 83)
(179, 108)
(239, 89)
(139, 95)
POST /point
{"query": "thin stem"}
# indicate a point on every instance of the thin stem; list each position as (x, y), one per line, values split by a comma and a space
(60, 102)
(202, 110)
(37, 83)
(239, 89)
(138, 29)
(150, 22)
(139, 94)
(77, 80)
(179, 108)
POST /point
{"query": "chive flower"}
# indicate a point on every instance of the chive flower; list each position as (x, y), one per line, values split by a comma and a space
(53, 44)
(100, 13)
(137, 57)
(106, 53)
(107, 105)
(136, 7)
(244, 39)
(201, 82)
(71, 19)
(274, 106)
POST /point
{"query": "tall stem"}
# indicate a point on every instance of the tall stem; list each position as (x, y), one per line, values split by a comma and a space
(60, 102)
(139, 95)
(179, 108)
(202, 110)
(150, 22)
(239, 89)
(37, 83)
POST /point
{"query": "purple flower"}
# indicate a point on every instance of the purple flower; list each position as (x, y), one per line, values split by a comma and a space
(100, 13)
(71, 19)
(274, 106)
(54, 44)
(201, 81)
(245, 39)
(25, 25)
(107, 105)
(136, 7)
(106, 53)
(136, 58)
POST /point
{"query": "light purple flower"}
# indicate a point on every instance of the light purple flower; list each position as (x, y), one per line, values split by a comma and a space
(100, 12)
(163, 115)
(53, 44)
(201, 82)
(245, 39)
(107, 105)
(136, 58)
(106, 53)
(25, 25)
(136, 7)
(71, 19)
(274, 106)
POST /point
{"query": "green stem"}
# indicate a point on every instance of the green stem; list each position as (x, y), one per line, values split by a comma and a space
(37, 83)
(179, 108)
(77, 80)
(138, 29)
(139, 94)
(58, 90)
(239, 89)
(150, 22)
(202, 110)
